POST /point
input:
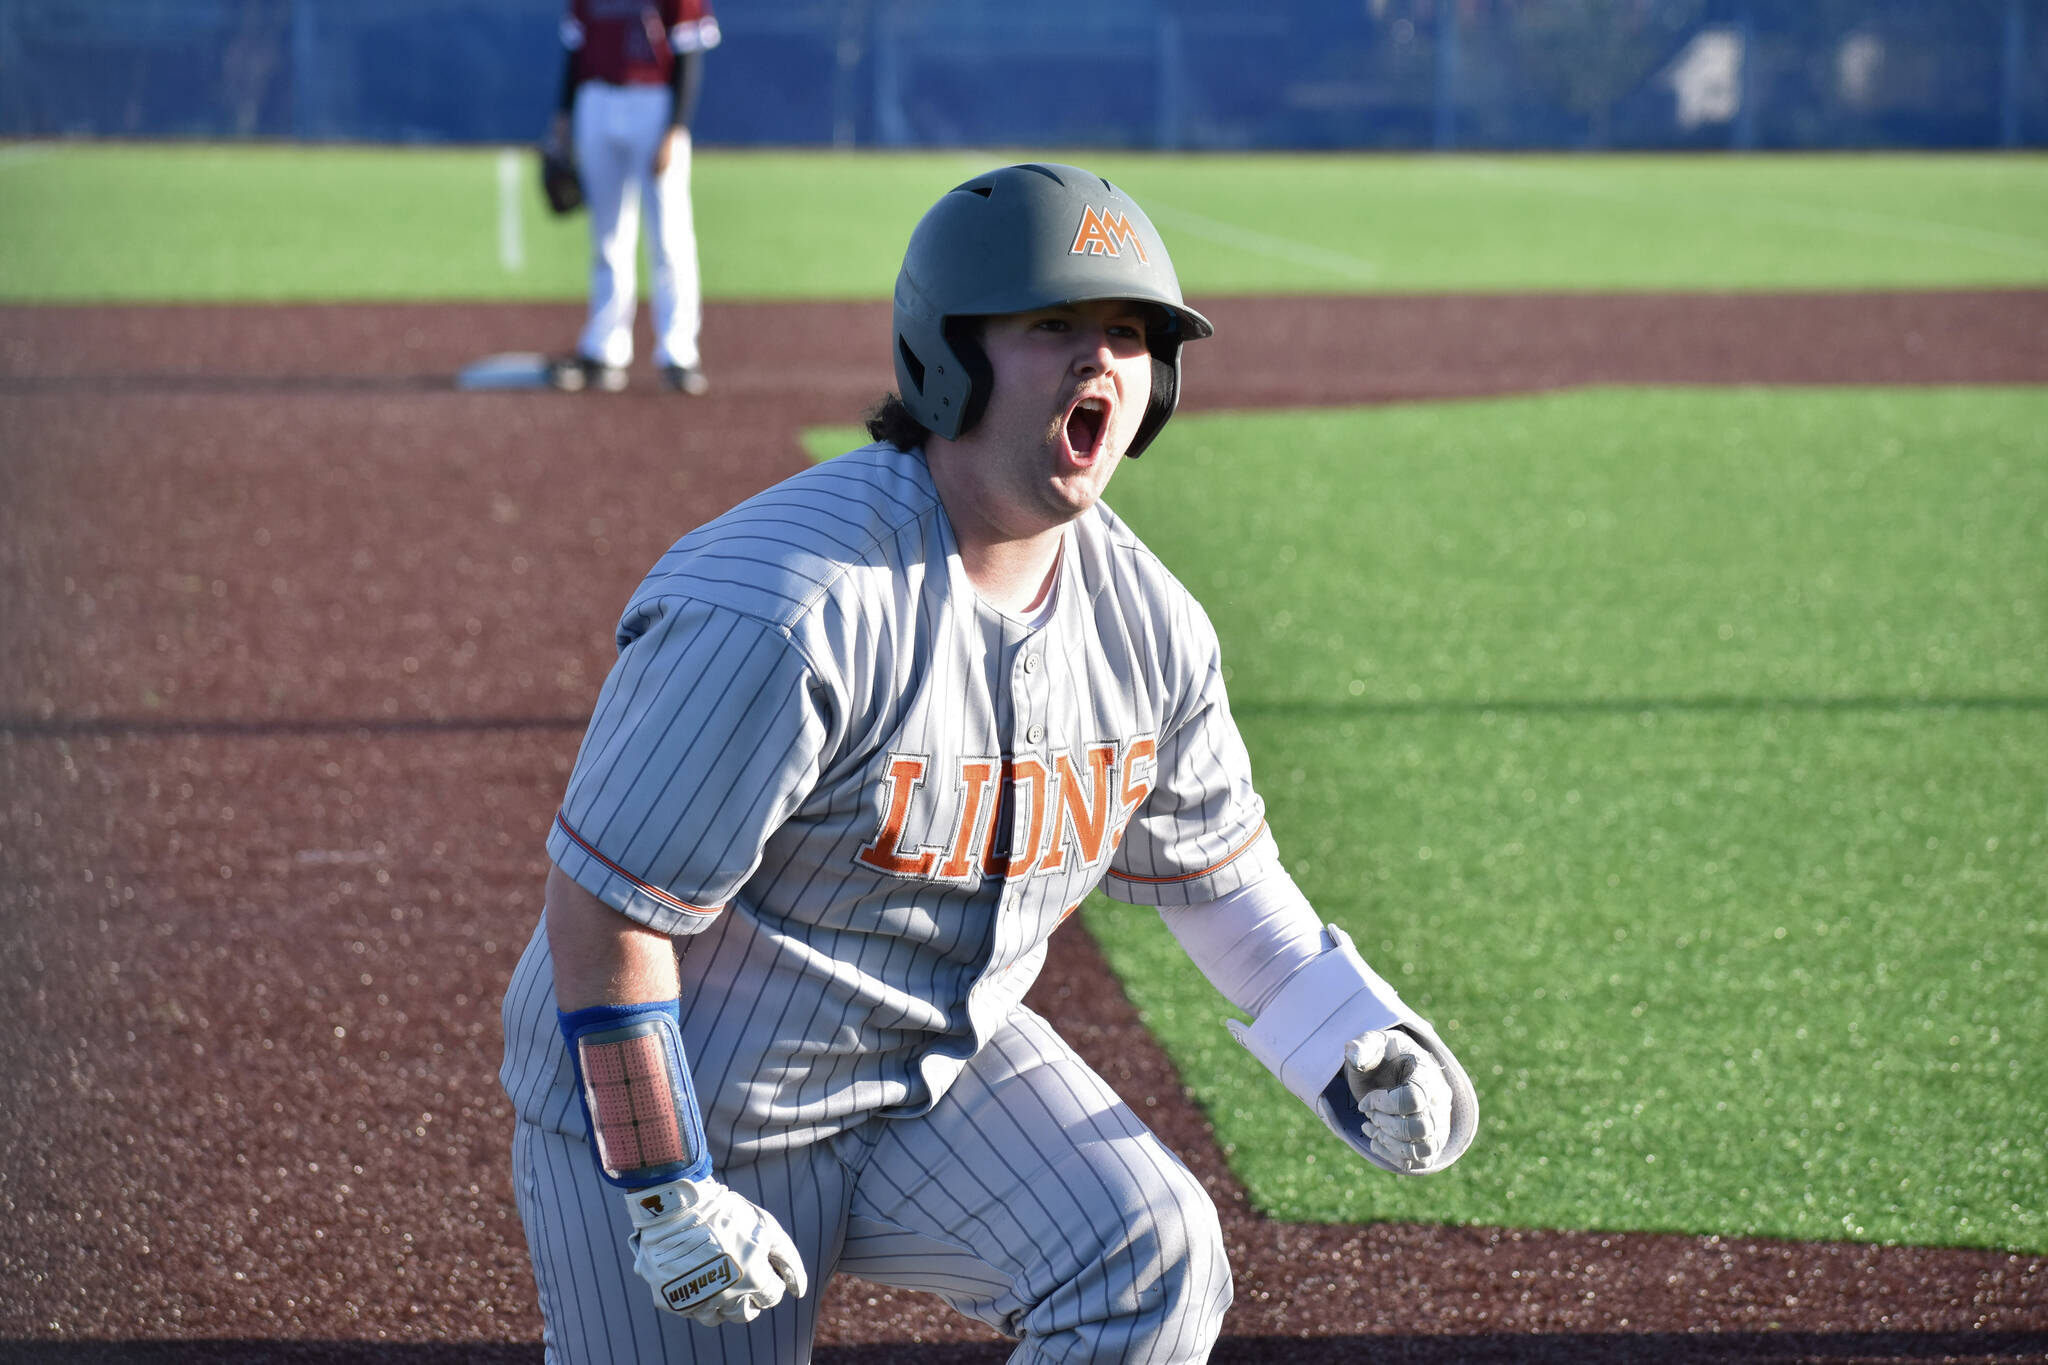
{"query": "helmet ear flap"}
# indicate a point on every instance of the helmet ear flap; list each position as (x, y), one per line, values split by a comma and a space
(913, 367)
(1165, 394)
(936, 386)
(963, 335)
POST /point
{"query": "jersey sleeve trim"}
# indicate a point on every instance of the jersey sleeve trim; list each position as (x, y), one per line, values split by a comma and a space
(645, 888)
(1250, 842)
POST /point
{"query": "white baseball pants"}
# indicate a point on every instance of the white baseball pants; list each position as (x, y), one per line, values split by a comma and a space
(1031, 1198)
(617, 130)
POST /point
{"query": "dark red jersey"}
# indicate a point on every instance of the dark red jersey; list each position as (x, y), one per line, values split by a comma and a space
(634, 42)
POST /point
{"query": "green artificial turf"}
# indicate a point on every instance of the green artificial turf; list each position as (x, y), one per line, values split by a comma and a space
(1681, 754)
(1320, 224)
(96, 223)
(181, 221)
(822, 443)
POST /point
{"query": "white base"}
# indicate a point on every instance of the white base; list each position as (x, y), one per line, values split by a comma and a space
(510, 370)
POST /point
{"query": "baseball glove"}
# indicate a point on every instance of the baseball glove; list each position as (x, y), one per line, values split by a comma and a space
(559, 181)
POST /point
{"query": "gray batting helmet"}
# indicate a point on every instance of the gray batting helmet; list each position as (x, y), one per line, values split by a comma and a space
(1018, 239)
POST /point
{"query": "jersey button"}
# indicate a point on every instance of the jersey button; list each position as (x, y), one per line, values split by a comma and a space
(1035, 733)
(1030, 663)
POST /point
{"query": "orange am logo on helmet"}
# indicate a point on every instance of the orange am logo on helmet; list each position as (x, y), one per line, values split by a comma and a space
(1106, 232)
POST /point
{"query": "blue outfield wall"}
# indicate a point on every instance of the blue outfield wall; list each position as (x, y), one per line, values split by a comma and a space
(1167, 74)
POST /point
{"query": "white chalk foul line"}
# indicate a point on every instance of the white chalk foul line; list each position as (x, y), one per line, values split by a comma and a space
(511, 233)
(1262, 243)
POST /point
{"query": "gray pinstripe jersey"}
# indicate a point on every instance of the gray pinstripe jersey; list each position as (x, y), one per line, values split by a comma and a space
(869, 797)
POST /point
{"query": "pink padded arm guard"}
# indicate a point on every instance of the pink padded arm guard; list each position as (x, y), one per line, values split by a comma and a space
(645, 1126)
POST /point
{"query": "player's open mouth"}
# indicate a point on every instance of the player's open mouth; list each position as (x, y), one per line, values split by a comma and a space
(1087, 427)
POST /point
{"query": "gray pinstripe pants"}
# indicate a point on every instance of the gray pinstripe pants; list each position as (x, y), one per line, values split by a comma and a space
(1030, 1198)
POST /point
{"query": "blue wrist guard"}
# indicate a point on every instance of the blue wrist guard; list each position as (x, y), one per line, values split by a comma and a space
(645, 1126)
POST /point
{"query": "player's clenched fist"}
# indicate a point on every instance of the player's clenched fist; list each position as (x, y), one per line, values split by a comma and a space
(1402, 1092)
(709, 1254)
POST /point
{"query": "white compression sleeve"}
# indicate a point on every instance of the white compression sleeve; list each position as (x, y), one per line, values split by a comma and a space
(1309, 992)
(1249, 942)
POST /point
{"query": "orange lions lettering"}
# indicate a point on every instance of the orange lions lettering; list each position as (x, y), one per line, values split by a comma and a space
(1106, 233)
(977, 787)
(1077, 808)
(906, 775)
(1025, 780)
(1084, 812)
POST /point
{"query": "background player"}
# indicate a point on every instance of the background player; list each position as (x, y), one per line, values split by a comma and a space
(630, 81)
(870, 737)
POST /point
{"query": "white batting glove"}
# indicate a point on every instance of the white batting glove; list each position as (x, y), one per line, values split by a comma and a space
(1402, 1092)
(709, 1254)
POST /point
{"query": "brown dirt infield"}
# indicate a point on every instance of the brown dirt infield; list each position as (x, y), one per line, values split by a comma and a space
(298, 645)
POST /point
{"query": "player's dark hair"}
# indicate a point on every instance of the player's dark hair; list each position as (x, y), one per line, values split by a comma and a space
(891, 421)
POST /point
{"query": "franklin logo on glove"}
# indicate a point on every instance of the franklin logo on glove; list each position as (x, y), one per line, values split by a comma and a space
(687, 1289)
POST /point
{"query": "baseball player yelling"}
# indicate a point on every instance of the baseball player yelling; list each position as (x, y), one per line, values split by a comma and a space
(870, 737)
